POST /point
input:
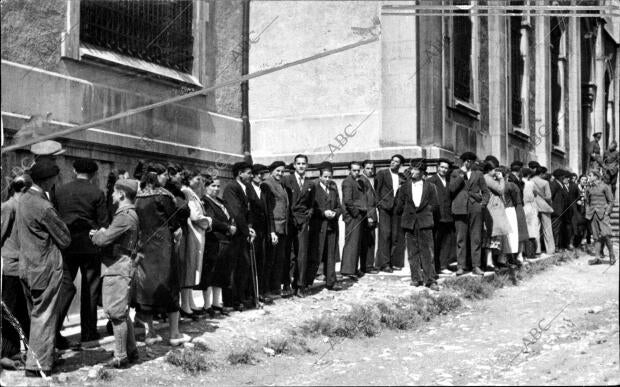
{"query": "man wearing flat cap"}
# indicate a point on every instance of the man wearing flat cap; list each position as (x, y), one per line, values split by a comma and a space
(416, 203)
(41, 234)
(470, 195)
(236, 195)
(594, 160)
(82, 207)
(261, 220)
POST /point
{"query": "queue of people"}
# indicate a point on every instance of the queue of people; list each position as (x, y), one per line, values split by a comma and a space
(269, 233)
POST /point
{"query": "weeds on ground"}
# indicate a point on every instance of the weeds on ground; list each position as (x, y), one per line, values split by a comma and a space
(288, 345)
(242, 355)
(470, 287)
(191, 360)
(105, 375)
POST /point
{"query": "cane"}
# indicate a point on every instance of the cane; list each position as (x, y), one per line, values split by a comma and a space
(254, 274)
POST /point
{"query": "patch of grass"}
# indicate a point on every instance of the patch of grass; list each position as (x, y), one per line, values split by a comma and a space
(324, 325)
(288, 344)
(362, 320)
(470, 287)
(242, 355)
(105, 375)
(191, 360)
(446, 302)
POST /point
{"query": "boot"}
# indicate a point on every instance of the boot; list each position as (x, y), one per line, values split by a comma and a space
(597, 249)
(610, 247)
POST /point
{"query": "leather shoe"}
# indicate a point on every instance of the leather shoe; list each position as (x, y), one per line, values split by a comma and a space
(372, 271)
(397, 268)
(301, 292)
(115, 362)
(477, 271)
(223, 310)
(192, 316)
(199, 312)
(359, 274)
(460, 272)
(387, 270)
(62, 342)
(334, 288)
(239, 307)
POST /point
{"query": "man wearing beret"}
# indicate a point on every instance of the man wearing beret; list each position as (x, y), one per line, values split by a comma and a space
(82, 207)
(470, 195)
(261, 220)
(41, 234)
(416, 203)
(119, 241)
(236, 195)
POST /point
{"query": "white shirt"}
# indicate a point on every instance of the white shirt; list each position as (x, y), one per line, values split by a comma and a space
(395, 182)
(416, 192)
(468, 175)
(324, 188)
(299, 180)
(243, 187)
(256, 189)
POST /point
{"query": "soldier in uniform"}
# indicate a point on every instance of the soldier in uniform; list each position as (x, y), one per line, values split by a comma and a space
(599, 203)
(594, 160)
(119, 241)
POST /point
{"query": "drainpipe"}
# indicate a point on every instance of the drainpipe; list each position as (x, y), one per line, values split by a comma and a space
(245, 64)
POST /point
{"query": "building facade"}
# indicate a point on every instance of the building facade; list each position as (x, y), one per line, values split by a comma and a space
(71, 62)
(522, 85)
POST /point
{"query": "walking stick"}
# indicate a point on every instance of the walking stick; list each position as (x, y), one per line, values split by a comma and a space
(254, 274)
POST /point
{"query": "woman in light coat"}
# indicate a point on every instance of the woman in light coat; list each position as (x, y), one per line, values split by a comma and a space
(531, 212)
(495, 221)
(192, 244)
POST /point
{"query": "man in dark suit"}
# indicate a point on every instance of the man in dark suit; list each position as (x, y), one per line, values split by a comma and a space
(416, 203)
(559, 202)
(82, 206)
(299, 189)
(367, 250)
(470, 195)
(261, 220)
(326, 209)
(236, 196)
(445, 242)
(355, 212)
(390, 253)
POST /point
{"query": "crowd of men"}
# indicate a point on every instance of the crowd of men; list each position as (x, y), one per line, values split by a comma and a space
(271, 233)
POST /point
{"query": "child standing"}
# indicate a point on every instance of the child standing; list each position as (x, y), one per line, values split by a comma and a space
(119, 242)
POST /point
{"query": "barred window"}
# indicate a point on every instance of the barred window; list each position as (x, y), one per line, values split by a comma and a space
(461, 63)
(157, 31)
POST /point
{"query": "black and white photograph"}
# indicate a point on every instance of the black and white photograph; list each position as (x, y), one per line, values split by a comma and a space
(310, 192)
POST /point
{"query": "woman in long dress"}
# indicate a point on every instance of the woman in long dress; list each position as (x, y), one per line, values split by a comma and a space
(191, 248)
(157, 285)
(216, 269)
(531, 212)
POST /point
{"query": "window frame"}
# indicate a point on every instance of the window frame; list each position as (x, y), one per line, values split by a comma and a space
(471, 107)
(72, 48)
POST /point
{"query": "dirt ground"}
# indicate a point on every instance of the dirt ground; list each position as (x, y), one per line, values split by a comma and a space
(480, 343)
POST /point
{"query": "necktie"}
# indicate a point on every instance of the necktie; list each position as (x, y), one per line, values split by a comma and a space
(301, 182)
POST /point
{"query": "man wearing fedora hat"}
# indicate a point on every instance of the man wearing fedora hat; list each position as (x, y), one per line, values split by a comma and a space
(82, 207)
(41, 234)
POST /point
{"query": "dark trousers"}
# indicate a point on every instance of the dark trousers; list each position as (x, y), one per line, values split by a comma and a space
(391, 250)
(43, 310)
(445, 245)
(367, 248)
(15, 301)
(280, 269)
(242, 282)
(420, 248)
(352, 245)
(468, 229)
(299, 255)
(260, 242)
(328, 260)
(561, 231)
(90, 269)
